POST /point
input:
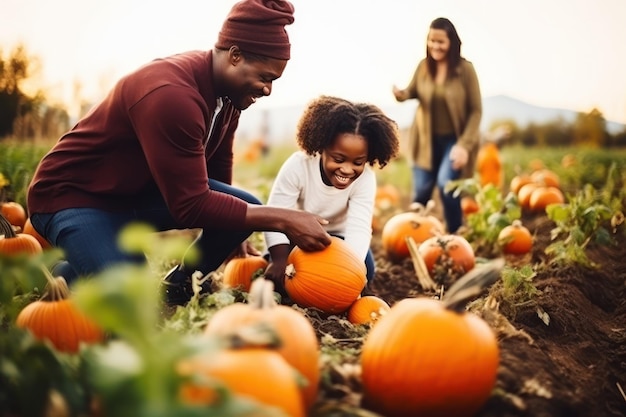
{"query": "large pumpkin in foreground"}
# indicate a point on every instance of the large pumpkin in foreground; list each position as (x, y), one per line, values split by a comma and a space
(425, 358)
(299, 345)
(256, 373)
(329, 280)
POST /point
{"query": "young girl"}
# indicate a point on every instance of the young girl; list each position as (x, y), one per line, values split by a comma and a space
(331, 175)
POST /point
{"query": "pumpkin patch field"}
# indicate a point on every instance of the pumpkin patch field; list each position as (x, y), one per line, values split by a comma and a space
(521, 313)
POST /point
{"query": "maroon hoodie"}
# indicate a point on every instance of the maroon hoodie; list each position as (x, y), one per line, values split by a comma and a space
(149, 135)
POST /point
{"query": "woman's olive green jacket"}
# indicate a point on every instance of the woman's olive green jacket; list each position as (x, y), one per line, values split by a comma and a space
(464, 103)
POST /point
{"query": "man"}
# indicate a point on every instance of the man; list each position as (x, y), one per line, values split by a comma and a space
(159, 149)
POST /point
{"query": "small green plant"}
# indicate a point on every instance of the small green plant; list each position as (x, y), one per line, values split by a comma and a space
(134, 373)
(18, 162)
(518, 284)
(588, 217)
(495, 212)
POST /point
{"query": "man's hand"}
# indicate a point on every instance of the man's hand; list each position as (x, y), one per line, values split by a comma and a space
(307, 232)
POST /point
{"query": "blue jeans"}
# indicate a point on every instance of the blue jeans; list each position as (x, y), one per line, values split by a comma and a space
(89, 236)
(441, 173)
(369, 264)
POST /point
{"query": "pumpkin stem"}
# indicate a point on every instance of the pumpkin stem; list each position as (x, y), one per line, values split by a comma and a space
(260, 335)
(421, 271)
(6, 228)
(472, 284)
(430, 206)
(517, 223)
(261, 294)
(424, 210)
(56, 288)
(290, 271)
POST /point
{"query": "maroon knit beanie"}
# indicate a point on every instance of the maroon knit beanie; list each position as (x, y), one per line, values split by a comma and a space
(258, 26)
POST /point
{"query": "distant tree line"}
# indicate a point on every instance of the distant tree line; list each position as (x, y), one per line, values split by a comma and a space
(588, 129)
(30, 116)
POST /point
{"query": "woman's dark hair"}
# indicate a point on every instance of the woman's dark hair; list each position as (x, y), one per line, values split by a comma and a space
(327, 117)
(454, 53)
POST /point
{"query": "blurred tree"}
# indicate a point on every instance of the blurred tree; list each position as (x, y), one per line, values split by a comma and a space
(529, 135)
(558, 133)
(13, 71)
(618, 140)
(590, 129)
(21, 114)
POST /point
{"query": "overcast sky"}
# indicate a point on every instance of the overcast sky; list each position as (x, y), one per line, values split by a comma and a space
(553, 53)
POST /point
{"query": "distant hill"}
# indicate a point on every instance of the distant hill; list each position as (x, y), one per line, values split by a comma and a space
(280, 122)
(505, 107)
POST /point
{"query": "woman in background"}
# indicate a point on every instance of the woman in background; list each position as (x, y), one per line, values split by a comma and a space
(444, 136)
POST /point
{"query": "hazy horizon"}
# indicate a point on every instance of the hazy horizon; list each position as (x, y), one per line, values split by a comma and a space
(557, 54)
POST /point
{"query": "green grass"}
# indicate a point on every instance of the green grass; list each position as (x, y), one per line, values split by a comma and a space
(18, 161)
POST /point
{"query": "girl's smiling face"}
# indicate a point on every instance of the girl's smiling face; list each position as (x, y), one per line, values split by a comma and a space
(344, 161)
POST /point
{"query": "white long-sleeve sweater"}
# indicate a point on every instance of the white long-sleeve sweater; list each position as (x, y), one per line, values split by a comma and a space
(299, 185)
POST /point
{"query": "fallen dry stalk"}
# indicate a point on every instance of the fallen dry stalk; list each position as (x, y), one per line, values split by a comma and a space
(621, 390)
(421, 271)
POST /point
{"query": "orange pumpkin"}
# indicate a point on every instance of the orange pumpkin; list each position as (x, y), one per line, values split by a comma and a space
(524, 194)
(428, 357)
(239, 272)
(367, 309)
(299, 345)
(543, 196)
(518, 182)
(387, 196)
(515, 239)
(447, 256)
(329, 280)
(257, 373)
(489, 165)
(12, 243)
(545, 177)
(469, 205)
(536, 164)
(56, 318)
(407, 224)
(14, 212)
(30, 230)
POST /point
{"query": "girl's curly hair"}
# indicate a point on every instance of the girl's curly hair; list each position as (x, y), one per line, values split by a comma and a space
(326, 117)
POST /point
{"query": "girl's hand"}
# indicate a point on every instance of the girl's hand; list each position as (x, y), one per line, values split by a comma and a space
(250, 249)
(276, 273)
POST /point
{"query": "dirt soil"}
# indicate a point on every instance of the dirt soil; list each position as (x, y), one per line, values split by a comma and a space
(573, 366)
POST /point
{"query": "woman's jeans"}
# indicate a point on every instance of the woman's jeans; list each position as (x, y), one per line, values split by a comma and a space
(441, 173)
(89, 237)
